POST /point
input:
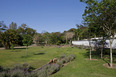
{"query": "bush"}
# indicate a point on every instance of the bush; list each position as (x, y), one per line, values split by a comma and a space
(54, 68)
(58, 42)
(1, 68)
(27, 71)
(62, 56)
(42, 73)
(67, 59)
(63, 60)
(30, 69)
(12, 47)
(60, 63)
(32, 74)
(4, 74)
(48, 70)
(17, 73)
(71, 57)
(24, 67)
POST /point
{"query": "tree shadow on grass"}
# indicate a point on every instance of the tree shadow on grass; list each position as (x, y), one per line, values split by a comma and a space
(25, 56)
(39, 53)
(106, 61)
(94, 54)
(19, 48)
(97, 55)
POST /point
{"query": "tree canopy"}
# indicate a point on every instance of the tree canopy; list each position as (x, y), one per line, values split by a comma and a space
(27, 40)
(100, 15)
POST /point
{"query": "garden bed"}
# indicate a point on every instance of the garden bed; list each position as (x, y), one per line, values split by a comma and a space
(108, 65)
(25, 70)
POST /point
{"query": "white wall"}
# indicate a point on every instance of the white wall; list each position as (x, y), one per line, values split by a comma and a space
(86, 43)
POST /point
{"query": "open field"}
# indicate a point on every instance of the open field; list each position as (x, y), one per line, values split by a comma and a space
(38, 56)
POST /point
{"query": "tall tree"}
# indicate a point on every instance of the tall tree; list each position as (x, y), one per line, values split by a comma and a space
(81, 31)
(24, 29)
(13, 26)
(27, 40)
(103, 14)
(55, 38)
(36, 38)
(9, 38)
(78, 31)
(69, 36)
(30, 31)
(46, 36)
(3, 27)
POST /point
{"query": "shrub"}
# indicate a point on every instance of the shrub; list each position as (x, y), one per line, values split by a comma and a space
(62, 56)
(30, 69)
(1, 68)
(4, 74)
(42, 73)
(63, 60)
(54, 68)
(17, 73)
(12, 47)
(67, 59)
(71, 57)
(32, 74)
(48, 70)
(46, 66)
(60, 63)
(27, 71)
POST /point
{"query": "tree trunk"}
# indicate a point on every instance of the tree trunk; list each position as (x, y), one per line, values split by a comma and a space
(26, 51)
(90, 54)
(102, 52)
(102, 48)
(78, 38)
(111, 53)
(46, 42)
(4, 46)
(66, 41)
(70, 42)
(90, 50)
(7, 46)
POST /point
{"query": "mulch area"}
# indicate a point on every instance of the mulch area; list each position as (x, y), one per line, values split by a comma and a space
(92, 59)
(108, 65)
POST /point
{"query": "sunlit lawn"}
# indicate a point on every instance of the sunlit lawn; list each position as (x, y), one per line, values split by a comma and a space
(38, 56)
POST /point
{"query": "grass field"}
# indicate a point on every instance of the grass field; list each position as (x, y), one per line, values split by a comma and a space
(38, 56)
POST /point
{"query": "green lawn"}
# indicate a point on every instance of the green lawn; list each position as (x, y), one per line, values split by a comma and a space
(38, 56)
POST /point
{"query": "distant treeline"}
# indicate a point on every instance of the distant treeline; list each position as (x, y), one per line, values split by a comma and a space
(12, 35)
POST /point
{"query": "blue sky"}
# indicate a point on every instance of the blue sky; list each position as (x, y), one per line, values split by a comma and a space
(43, 15)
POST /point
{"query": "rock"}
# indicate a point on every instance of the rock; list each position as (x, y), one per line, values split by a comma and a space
(51, 61)
(54, 60)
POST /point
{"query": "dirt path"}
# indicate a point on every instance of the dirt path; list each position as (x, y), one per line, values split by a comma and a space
(16, 47)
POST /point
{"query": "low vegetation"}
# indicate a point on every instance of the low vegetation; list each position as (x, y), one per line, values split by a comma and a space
(38, 56)
(27, 71)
